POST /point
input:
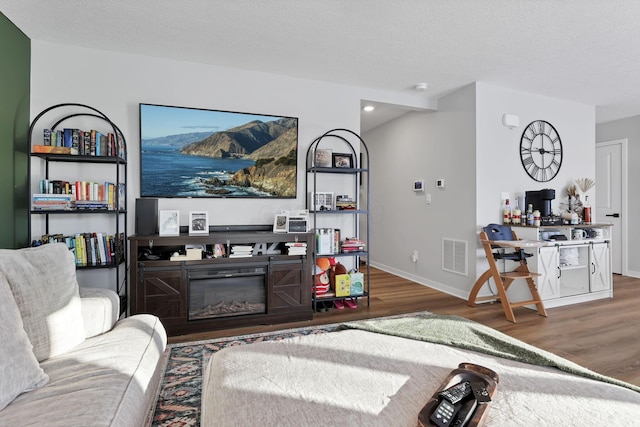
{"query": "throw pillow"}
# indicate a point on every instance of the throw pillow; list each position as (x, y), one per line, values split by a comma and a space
(19, 369)
(43, 283)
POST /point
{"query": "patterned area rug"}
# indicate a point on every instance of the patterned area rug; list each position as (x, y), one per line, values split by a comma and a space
(178, 403)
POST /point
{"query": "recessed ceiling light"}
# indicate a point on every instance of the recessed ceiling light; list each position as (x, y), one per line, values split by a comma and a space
(368, 108)
(420, 87)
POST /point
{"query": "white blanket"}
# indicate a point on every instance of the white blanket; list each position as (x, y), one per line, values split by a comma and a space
(360, 378)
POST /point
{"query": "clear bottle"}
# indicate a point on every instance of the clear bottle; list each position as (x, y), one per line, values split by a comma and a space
(516, 215)
(530, 215)
(536, 218)
(506, 213)
(586, 211)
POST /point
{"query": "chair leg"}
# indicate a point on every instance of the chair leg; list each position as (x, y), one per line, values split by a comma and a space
(502, 292)
(536, 297)
(471, 302)
(504, 300)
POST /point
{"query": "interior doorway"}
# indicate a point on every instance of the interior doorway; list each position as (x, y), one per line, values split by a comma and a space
(611, 198)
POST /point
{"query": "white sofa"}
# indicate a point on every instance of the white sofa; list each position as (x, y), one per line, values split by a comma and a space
(65, 358)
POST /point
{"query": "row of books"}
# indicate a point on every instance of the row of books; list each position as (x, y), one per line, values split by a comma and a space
(90, 249)
(83, 143)
(56, 195)
(327, 241)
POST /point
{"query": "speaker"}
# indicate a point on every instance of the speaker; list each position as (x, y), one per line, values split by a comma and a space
(146, 216)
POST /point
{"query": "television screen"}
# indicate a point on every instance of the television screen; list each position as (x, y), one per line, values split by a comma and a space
(193, 152)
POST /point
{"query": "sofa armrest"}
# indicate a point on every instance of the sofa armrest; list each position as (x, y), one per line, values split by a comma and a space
(100, 309)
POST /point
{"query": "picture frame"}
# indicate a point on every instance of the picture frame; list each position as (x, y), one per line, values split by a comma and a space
(280, 223)
(323, 158)
(169, 223)
(321, 201)
(219, 250)
(342, 160)
(198, 223)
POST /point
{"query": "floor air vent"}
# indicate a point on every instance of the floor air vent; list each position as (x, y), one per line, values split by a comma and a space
(454, 256)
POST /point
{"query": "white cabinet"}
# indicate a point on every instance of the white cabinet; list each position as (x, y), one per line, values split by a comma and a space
(571, 271)
(601, 279)
(547, 264)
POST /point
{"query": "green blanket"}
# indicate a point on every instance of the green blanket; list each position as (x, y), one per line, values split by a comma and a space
(466, 334)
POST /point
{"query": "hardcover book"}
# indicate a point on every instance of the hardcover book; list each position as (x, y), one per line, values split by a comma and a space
(357, 284)
(343, 285)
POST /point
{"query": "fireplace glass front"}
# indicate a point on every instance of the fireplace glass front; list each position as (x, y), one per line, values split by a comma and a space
(227, 292)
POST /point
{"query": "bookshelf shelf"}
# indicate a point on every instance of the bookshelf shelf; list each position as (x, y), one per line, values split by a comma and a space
(79, 158)
(79, 154)
(353, 180)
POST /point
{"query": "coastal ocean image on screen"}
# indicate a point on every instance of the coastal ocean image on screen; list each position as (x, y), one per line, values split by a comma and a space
(242, 155)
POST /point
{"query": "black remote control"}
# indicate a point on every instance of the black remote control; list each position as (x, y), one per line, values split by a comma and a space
(465, 413)
(456, 393)
(444, 413)
(480, 392)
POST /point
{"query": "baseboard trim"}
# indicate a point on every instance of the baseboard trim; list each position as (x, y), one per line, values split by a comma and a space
(422, 281)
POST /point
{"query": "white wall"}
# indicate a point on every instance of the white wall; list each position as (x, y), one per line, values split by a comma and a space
(464, 135)
(116, 83)
(498, 146)
(628, 128)
(465, 143)
(428, 146)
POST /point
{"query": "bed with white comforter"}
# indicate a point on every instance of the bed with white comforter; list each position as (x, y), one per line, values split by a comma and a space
(382, 372)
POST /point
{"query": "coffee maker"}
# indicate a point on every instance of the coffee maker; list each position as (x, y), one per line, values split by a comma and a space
(541, 200)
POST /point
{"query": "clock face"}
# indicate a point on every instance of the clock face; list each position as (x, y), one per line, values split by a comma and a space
(541, 151)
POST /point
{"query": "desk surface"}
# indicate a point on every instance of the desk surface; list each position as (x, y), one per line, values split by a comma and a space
(520, 243)
(541, 243)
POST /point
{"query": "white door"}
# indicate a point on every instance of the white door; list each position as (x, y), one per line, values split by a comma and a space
(610, 197)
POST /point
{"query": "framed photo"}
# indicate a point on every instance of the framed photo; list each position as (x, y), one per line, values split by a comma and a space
(218, 250)
(280, 223)
(323, 158)
(169, 223)
(198, 222)
(321, 201)
(342, 160)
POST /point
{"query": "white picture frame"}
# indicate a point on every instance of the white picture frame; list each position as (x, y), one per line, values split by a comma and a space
(198, 223)
(280, 223)
(169, 223)
(321, 201)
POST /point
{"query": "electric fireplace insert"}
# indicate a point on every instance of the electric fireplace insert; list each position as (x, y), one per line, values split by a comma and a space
(234, 291)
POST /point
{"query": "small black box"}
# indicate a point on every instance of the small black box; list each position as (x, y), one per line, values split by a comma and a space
(146, 216)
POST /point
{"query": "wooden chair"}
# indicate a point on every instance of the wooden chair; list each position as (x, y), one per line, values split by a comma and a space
(497, 240)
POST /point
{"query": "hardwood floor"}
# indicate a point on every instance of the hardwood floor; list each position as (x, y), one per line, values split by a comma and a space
(600, 335)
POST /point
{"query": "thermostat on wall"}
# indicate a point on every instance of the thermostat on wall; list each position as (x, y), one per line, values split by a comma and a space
(440, 183)
(418, 185)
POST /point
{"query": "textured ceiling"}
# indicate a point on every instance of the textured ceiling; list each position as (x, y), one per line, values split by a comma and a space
(586, 51)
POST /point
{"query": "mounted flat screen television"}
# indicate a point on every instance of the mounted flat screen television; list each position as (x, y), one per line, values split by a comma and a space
(194, 152)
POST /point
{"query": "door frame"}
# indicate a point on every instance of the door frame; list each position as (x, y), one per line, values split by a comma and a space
(624, 245)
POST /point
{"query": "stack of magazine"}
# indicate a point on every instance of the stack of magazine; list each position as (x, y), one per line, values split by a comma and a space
(296, 248)
(241, 251)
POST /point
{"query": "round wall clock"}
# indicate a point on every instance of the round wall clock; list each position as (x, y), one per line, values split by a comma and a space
(541, 151)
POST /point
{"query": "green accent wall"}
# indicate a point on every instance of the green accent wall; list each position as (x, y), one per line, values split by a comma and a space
(15, 66)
